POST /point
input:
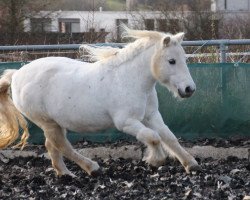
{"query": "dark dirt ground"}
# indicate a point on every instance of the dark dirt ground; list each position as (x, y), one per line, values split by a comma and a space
(237, 141)
(33, 178)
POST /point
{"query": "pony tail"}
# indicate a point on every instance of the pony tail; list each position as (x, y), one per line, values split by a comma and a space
(10, 118)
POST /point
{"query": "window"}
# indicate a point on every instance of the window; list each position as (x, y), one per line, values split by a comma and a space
(150, 24)
(162, 25)
(173, 26)
(69, 25)
(40, 24)
(168, 25)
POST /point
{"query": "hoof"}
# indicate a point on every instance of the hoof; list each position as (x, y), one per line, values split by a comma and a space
(158, 163)
(96, 173)
(65, 179)
(153, 168)
(154, 162)
(155, 158)
(66, 174)
(193, 168)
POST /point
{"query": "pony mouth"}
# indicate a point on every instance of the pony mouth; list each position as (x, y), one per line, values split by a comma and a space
(184, 94)
(176, 91)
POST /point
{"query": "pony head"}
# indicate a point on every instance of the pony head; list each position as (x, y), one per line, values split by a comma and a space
(169, 66)
(168, 62)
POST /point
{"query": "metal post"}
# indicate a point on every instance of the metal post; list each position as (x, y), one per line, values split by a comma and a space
(223, 53)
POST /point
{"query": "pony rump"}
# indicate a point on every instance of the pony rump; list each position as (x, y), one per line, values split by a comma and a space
(10, 118)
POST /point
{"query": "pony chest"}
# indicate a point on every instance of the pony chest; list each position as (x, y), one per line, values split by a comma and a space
(129, 107)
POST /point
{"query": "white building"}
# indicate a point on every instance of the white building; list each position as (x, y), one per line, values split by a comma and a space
(109, 21)
(232, 5)
(84, 21)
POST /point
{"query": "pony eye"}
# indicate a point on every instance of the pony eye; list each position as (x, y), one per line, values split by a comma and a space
(172, 61)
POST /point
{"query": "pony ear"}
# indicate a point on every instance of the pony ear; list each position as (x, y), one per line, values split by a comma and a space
(166, 41)
(179, 36)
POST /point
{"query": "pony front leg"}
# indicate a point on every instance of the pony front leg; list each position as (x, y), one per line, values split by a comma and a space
(155, 153)
(170, 142)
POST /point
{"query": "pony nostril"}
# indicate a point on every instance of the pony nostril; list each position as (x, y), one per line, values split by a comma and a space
(189, 90)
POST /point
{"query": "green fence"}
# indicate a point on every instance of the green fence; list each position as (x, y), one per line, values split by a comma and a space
(219, 108)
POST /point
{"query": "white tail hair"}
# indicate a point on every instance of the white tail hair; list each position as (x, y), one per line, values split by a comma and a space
(10, 118)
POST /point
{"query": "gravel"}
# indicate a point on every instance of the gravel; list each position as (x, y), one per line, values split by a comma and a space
(33, 178)
(236, 141)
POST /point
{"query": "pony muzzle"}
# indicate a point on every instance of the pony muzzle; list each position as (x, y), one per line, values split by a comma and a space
(186, 92)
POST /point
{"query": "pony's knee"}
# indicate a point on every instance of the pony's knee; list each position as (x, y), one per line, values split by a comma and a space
(149, 137)
(155, 141)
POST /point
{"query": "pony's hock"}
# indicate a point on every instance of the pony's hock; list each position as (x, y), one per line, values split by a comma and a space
(116, 91)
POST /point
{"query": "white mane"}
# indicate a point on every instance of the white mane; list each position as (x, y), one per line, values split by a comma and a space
(144, 39)
(99, 53)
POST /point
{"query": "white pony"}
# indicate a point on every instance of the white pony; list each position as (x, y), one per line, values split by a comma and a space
(60, 94)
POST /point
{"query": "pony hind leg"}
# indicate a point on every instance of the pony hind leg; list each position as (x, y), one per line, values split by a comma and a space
(57, 138)
(57, 160)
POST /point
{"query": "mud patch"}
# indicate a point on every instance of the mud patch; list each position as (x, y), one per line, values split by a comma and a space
(33, 178)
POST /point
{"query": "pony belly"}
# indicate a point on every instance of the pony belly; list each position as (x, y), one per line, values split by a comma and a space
(87, 128)
(81, 127)
(83, 121)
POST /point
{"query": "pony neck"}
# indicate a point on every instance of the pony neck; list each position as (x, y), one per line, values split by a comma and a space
(139, 69)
